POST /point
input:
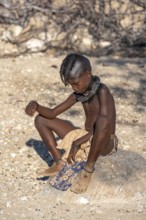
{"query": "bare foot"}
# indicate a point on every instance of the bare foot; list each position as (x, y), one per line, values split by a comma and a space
(53, 170)
(81, 182)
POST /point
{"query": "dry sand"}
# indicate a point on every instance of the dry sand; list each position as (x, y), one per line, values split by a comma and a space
(118, 187)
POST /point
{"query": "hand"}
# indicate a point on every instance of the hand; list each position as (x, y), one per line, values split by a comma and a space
(31, 108)
(73, 151)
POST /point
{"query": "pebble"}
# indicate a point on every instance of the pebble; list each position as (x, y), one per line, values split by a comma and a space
(8, 204)
(13, 155)
(83, 200)
(140, 208)
(24, 198)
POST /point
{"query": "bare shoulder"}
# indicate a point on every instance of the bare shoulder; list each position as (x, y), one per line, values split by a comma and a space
(106, 101)
(103, 91)
(72, 97)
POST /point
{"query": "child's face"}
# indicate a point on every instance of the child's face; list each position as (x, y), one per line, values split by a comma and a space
(81, 83)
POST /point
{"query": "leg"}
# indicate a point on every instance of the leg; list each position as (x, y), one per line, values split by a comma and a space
(46, 127)
(100, 146)
(111, 146)
(84, 177)
(81, 182)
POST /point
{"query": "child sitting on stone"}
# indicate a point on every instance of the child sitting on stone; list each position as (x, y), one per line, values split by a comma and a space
(100, 116)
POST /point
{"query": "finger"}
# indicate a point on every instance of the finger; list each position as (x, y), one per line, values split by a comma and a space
(28, 106)
(29, 112)
(69, 160)
(33, 111)
(73, 158)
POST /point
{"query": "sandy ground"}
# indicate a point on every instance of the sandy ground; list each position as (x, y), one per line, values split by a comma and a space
(118, 195)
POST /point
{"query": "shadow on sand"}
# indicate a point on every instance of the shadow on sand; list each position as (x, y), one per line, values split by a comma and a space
(42, 151)
(121, 167)
(118, 168)
(133, 75)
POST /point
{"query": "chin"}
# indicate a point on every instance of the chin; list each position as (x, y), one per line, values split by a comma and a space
(79, 92)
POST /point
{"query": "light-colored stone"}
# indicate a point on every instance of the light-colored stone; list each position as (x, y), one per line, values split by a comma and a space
(15, 30)
(82, 40)
(104, 43)
(35, 45)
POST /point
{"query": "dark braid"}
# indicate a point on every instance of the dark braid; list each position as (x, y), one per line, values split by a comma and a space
(67, 66)
(73, 65)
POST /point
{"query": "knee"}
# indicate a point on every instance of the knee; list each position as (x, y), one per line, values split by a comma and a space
(38, 121)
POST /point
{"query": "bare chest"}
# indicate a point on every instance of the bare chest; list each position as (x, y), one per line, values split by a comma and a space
(91, 108)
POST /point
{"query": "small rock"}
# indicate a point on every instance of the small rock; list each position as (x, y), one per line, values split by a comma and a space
(24, 198)
(83, 200)
(8, 204)
(140, 208)
(13, 155)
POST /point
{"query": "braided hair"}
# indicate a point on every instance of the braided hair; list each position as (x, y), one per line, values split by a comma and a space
(73, 66)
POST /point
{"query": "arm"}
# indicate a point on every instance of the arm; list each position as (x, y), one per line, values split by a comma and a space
(83, 139)
(76, 146)
(92, 113)
(102, 129)
(49, 113)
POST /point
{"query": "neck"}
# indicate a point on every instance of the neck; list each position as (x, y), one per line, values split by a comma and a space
(92, 89)
(90, 85)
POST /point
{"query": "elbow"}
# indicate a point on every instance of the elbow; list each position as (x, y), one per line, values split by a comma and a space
(90, 131)
(53, 114)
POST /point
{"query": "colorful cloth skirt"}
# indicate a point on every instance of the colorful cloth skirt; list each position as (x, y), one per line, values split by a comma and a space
(64, 179)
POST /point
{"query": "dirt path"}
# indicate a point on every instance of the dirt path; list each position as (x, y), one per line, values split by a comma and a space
(122, 194)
